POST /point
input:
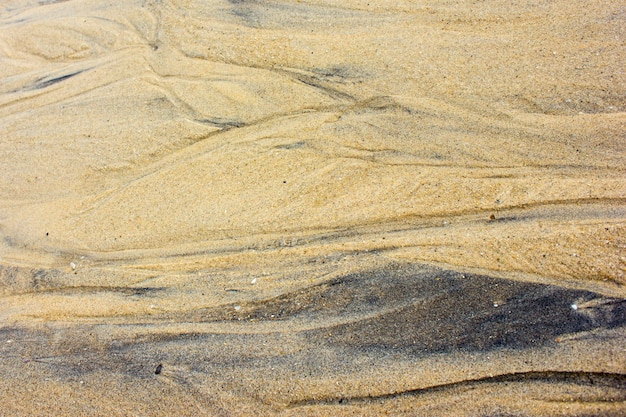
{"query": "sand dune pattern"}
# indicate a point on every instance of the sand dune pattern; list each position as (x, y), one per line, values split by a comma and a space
(315, 208)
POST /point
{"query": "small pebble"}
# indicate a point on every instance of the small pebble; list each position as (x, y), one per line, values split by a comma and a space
(158, 369)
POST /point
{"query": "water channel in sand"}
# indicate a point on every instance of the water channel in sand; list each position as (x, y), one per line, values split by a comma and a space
(312, 207)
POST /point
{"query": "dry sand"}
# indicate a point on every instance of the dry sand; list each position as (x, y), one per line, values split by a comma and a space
(312, 208)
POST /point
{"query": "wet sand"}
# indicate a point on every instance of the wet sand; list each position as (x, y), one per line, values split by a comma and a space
(313, 208)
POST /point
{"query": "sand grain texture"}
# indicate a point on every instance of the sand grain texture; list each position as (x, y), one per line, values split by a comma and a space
(312, 208)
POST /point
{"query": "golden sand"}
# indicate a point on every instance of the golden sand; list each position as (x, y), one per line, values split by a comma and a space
(312, 208)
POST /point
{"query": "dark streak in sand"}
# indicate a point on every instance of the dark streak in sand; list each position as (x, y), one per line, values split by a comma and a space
(608, 380)
(47, 82)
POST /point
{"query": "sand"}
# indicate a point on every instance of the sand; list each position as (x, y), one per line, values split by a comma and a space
(315, 208)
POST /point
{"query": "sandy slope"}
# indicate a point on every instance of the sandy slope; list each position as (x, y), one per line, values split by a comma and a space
(312, 207)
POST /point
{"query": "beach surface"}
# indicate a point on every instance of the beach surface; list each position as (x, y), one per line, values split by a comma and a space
(312, 208)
